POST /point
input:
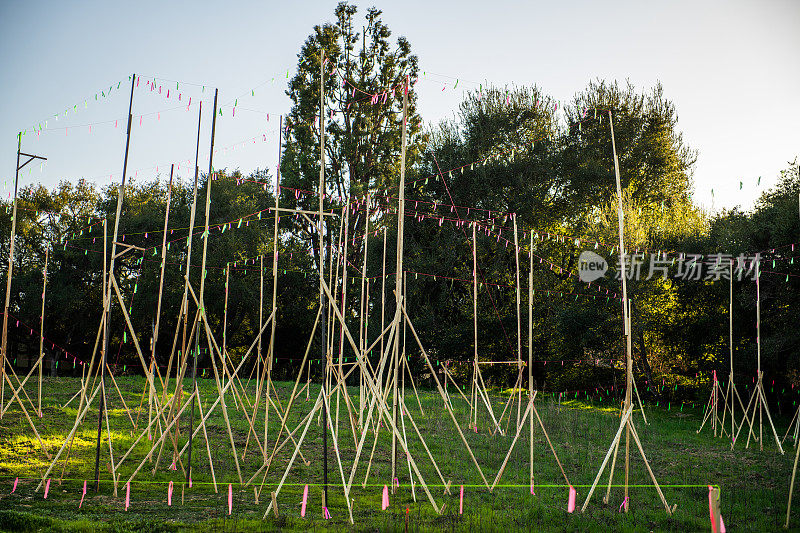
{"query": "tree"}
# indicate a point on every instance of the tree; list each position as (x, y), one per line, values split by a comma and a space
(364, 81)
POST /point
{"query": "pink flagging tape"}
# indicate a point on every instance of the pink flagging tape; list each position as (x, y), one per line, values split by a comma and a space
(190, 482)
(14, 488)
(83, 494)
(532, 492)
(46, 488)
(461, 500)
(385, 502)
(711, 513)
(230, 498)
(623, 505)
(127, 495)
(571, 500)
(711, 509)
(169, 494)
(326, 514)
(305, 502)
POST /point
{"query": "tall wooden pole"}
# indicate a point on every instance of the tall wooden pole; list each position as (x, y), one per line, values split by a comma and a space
(260, 321)
(322, 302)
(383, 298)
(201, 316)
(4, 345)
(8, 279)
(731, 390)
(41, 328)
(120, 196)
(475, 383)
(153, 364)
(625, 307)
(398, 278)
(519, 323)
(530, 352)
(362, 331)
(344, 302)
(271, 353)
(185, 301)
(758, 351)
(225, 321)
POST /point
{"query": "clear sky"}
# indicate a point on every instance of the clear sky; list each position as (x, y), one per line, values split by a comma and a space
(731, 67)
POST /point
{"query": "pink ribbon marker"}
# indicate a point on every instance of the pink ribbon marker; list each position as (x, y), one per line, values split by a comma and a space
(46, 488)
(532, 493)
(127, 495)
(190, 482)
(711, 510)
(721, 525)
(83, 495)
(305, 502)
(461, 501)
(230, 498)
(14, 488)
(385, 502)
(571, 500)
(169, 494)
(326, 513)
(624, 504)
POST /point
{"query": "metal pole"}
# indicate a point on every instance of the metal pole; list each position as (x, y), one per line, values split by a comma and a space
(106, 326)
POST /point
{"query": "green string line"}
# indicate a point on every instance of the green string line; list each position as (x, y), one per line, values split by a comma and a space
(465, 485)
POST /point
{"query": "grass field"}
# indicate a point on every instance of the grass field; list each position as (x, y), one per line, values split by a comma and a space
(754, 483)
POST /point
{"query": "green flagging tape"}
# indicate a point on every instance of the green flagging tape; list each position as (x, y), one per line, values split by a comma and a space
(452, 484)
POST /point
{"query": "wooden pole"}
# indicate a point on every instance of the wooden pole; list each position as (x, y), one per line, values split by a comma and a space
(41, 328)
(8, 279)
(160, 290)
(362, 333)
(225, 317)
(625, 304)
(398, 278)
(271, 353)
(475, 369)
(323, 304)
(519, 323)
(344, 300)
(530, 352)
(201, 315)
(120, 196)
(730, 345)
(383, 297)
(4, 344)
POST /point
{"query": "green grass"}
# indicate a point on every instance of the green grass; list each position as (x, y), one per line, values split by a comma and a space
(754, 483)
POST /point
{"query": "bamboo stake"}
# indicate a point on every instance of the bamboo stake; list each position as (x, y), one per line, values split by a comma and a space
(519, 324)
(344, 297)
(41, 329)
(160, 289)
(475, 385)
(362, 334)
(271, 352)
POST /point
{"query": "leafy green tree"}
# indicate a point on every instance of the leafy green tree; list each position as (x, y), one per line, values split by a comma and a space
(364, 80)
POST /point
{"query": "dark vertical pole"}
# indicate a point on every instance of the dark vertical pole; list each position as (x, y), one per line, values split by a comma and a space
(201, 314)
(108, 293)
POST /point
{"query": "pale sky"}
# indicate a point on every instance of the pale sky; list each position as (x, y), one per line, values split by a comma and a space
(732, 68)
